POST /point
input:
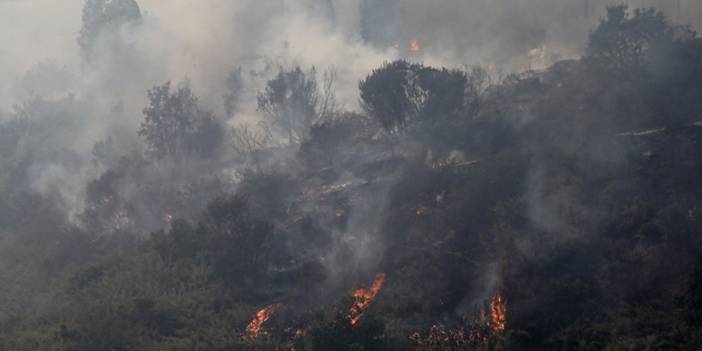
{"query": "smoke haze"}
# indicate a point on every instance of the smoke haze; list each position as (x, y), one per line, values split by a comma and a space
(178, 166)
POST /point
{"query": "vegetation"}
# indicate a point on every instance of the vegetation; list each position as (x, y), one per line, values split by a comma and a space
(175, 124)
(104, 19)
(566, 201)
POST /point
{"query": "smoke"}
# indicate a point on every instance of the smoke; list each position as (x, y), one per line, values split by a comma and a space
(33, 32)
(201, 42)
(515, 180)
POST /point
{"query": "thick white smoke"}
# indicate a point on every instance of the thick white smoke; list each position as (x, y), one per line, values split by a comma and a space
(203, 40)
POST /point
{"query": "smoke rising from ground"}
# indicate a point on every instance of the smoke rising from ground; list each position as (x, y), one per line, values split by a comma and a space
(245, 182)
(201, 42)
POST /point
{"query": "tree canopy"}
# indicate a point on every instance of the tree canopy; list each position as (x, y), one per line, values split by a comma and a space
(175, 124)
(624, 37)
(291, 102)
(102, 20)
(401, 93)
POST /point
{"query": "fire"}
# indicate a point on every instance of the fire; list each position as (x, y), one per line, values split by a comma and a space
(255, 328)
(168, 218)
(363, 298)
(498, 311)
(467, 337)
(414, 45)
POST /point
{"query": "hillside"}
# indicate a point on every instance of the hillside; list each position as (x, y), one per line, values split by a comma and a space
(458, 210)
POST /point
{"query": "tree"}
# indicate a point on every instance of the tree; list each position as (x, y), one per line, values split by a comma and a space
(623, 38)
(176, 125)
(247, 140)
(388, 93)
(400, 93)
(233, 239)
(443, 92)
(103, 18)
(292, 102)
(335, 332)
(235, 87)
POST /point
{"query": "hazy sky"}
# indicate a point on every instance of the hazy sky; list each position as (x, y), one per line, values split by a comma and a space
(203, 39)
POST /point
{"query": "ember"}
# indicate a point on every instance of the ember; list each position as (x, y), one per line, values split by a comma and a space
(440, 338)
(414, 45)
(255, 328)
(498, 311)
(474, 334)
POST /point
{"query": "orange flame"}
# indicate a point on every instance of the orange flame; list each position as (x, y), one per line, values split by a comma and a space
(168, 218)
(477, 333)
(414, 45)
(363, 298)
(255, 328)
(498, 311)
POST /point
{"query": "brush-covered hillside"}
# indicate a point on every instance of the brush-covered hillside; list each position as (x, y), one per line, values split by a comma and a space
(558, 209)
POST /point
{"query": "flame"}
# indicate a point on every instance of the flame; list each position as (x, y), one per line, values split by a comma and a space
(474, 334)
(168, 218)
(255, 328)
(498, 311)
(363, 298)
(414, 45)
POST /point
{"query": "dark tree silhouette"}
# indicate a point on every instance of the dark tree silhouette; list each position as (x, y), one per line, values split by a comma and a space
(400, 93)
(103, 18)
(390, 94)
(623, 37)
(291, 102)
(234, 86)
(175, 124)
